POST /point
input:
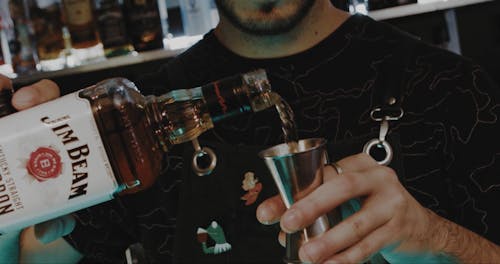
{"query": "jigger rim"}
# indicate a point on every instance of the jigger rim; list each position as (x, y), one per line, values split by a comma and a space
(283, 149)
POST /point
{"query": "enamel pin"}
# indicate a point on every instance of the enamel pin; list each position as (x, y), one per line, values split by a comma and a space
(215, 232)
(253, 187)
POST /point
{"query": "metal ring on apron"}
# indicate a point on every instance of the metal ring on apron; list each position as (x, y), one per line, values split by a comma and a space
(200, 152)
(377, 143)
(381, 142)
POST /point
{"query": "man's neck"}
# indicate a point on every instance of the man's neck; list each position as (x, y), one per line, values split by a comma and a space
(319, 23)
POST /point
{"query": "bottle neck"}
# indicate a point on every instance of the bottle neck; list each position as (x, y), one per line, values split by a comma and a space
(182, 115)
(226, 98)
(249, 92)
(178, 116)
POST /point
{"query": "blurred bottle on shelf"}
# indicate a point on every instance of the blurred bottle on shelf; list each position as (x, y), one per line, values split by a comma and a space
(214, 13)
(79, 18)
(6, 26)
(47, 24)
(22, 45)
(112, 29)
(144, 24)
(196, 16)
(163, 8)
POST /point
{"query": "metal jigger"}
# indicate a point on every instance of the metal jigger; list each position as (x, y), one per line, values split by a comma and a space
(297, 170)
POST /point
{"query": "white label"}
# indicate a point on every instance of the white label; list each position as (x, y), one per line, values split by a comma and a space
(52, 162)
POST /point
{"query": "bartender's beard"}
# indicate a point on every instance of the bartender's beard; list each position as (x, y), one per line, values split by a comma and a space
(264, 17)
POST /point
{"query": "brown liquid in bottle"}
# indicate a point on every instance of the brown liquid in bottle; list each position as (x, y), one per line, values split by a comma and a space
(129, 141)
(79, 18)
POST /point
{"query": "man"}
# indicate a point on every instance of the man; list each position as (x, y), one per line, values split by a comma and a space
(333, 69)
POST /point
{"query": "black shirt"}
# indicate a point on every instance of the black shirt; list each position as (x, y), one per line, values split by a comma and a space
(446, 145)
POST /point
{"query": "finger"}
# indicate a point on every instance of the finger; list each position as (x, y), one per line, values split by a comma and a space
(5, 82)
(357, 162)
(270, 211)
(330, 172)
(37, 93)
(361, 161)
(330, 195)
(364, 249)
(51, 230)
(348, 232)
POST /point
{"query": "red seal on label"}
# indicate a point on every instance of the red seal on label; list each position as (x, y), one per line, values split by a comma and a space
(44, 164)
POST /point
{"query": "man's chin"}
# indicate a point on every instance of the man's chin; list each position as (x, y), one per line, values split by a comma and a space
(266, 29)
(269, 20)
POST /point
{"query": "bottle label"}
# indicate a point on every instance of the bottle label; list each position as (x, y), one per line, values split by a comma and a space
(112, 28)
(78, 12)
(51, 163)
(226, 98)
(144, 24)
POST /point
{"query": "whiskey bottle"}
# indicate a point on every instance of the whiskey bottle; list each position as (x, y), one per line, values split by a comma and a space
(105, 140)
(47, 24)
(22, 46)
(112, 29)
(79, 18)
(5, 34)
(144, 24)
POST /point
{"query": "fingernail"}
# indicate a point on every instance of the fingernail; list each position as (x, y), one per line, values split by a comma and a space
(266, 215)
(290, 220)
(270, 222)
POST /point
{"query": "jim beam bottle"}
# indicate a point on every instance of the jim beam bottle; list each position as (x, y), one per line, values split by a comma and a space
(144, 24)
(105, 140)
(79, 18)
(112, 28)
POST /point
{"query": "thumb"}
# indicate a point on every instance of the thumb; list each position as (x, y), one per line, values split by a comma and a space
(37, 93)
(51, 230)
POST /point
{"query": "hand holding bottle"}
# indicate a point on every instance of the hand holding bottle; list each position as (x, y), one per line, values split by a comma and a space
(108, 139)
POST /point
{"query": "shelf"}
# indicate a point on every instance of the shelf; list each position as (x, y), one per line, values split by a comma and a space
(173, 47)
(423, 6)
